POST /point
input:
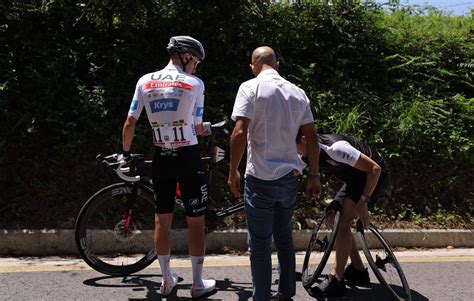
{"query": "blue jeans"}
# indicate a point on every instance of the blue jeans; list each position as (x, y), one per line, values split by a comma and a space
(269, 207)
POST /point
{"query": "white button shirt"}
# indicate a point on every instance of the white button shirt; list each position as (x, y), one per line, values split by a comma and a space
(277, 108)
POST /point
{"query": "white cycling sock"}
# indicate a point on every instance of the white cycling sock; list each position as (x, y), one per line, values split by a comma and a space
(164, 261)
(197, 263)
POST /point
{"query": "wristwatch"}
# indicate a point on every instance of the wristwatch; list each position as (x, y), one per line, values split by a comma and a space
(313, 174)
(364, 198)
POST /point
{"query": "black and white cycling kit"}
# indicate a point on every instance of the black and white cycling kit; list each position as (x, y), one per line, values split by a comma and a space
(174, 102)
(338, 155)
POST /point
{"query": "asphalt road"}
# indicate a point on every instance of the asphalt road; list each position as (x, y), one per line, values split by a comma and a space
(432, 275)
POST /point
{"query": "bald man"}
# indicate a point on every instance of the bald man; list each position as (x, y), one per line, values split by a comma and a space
(268, 112)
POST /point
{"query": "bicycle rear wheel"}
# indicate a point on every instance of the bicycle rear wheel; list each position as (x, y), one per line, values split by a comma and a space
(320, 247)
(383, 262)
(114, 229)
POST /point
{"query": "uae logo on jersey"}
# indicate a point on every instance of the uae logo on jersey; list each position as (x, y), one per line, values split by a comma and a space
(165, 104)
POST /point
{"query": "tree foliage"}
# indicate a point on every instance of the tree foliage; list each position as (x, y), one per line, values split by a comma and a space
(403, 81)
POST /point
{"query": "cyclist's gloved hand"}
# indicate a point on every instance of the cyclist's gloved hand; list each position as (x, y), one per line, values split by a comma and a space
(125, 156)
(206, 128)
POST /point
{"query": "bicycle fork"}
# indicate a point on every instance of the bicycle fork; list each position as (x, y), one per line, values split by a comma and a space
(127, 218)
(128, 215)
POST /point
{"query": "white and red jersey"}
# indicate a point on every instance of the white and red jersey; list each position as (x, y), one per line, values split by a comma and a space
(174, 103)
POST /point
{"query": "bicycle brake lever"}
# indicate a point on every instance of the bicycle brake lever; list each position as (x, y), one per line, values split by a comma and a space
(120, 172)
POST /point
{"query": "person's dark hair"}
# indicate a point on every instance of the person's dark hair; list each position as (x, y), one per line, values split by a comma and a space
(179, 44)
(299, 135)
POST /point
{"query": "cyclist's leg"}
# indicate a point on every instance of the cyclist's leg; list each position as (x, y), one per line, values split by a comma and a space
(194, 193)
(197, 241)
(334, 285)
(344, 238)
(163, 223)
(164, 185)
(353, 193)
(193, 186)
(162, 229)
(341, 197)
(164, 207)
(356, 260)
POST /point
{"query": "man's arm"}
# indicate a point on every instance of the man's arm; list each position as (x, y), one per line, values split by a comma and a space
(373, 171)
(128, 132)
(238, 141)
(313, 184)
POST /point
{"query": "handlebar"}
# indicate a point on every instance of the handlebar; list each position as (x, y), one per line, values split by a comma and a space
(110, 161)
(220, 126)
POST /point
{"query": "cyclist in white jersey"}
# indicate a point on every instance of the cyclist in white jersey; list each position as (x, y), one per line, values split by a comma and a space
(174, 102)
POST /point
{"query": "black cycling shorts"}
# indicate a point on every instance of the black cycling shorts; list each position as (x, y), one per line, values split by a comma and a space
(354, 188)
(182, 165)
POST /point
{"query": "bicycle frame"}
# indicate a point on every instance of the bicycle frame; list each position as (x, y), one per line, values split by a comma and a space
(138, 163)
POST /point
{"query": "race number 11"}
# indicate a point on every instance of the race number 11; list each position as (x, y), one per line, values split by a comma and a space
(175, 130)
(157, 135)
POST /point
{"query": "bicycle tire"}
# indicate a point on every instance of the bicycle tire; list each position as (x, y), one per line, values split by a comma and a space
(320, 245)
(383, 263)
(101, 219)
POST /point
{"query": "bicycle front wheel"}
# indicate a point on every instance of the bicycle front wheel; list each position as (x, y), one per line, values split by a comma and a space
(383, 262)
(319, 248)
(114, 229)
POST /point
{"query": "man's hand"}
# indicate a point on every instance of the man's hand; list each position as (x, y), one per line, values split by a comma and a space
(363, 213)
(313, 188)
(234, 183)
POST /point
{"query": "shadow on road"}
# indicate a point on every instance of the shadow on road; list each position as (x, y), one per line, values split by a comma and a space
(241, 289)
(151, 284)
(152, 287)
(370, 292)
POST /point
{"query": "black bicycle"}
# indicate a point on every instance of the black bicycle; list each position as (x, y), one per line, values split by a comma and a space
(379, 255)
(116, 223)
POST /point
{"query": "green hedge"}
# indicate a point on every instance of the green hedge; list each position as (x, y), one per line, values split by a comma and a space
(402, 81)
